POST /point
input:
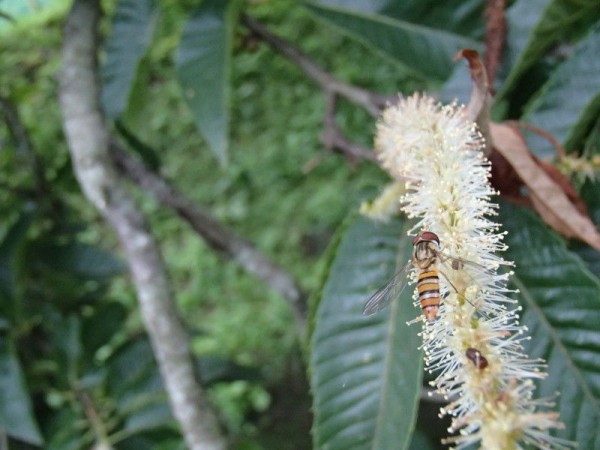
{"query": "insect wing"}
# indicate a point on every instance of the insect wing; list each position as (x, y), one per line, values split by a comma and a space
(391, 290)
(474, 269)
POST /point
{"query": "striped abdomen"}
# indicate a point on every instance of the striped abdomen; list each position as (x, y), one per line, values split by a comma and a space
(428, 287)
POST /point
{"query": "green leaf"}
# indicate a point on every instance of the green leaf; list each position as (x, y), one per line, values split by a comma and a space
(80, 260)
(67, 339)
(14, 239)
(463, 17)
(132, 30)
(215, 369)
(366, 371)
(535, 25)
(155, 441)
(99, 328)
(150, 414)
(589, 194)
(7, 17)
(17, 232)
(67, 431)
(459, 86)
(426, 50)
(422, 440)
(562, 312)
(16, 412)
(134, 382)
(431, 430)
(569, 103)
(203, 65)
(132, 370)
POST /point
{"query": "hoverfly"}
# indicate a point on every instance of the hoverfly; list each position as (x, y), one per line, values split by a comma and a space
(427, 254)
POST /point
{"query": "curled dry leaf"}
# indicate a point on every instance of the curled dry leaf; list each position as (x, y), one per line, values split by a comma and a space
(548, 197)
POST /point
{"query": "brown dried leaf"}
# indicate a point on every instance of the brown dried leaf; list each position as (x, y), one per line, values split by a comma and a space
(478, 109)
(548, 198)
(564, 184)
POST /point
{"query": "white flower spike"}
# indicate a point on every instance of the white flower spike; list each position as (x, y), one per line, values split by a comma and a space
(474, 342)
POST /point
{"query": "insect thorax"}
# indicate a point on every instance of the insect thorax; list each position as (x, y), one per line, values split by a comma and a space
(424, 254)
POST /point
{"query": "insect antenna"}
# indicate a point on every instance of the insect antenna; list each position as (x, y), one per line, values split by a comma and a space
(462, 295)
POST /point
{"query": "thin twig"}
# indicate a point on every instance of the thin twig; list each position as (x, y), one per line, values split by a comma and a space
(371, 101)
(495, 33)
(97, 425)
(88, 143)
(560, 150)
(333, 138)
(216, 235)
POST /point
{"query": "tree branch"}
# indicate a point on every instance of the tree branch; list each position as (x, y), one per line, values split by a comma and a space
(88, 143)
(24, 144)
(218, 236)
(333, 138)
(369, 100)
(495, 34)
(97, 425)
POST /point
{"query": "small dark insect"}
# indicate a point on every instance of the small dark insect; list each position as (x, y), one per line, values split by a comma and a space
(476, 358)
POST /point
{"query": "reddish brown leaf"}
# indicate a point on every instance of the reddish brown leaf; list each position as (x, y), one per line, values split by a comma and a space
(548, 197)
(505, 179)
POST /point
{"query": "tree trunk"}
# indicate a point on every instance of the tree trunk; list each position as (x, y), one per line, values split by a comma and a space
(88, 142)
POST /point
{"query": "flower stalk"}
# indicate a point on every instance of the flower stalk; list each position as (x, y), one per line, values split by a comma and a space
(475, 343)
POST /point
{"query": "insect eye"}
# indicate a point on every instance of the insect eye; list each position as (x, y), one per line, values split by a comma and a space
(428, 236)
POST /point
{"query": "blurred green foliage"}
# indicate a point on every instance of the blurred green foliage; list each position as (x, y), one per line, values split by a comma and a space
(72, 347)
(266, 193)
